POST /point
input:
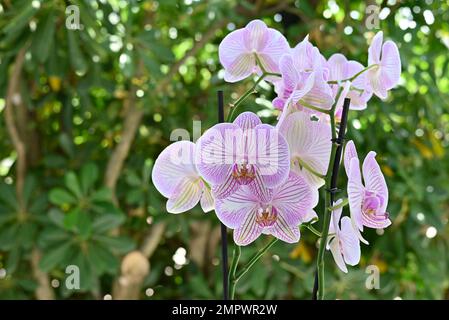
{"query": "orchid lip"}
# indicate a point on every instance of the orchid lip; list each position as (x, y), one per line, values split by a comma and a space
(266, 216)
(244, 173)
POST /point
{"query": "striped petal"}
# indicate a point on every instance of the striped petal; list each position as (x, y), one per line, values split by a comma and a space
(214, 155)
(294, 200)
(350, 152)
(390, 65)
(355, 192)
(249, 230)
(272, 155)
(247, 120)
(241, 68)
(309, 143)
(284, 231)
(233, 210)
(275, 47)
(175, 163)
(350, 242)
(225, 189)
(207, 200)
(374, 179)
(375, 48)
(185, 196)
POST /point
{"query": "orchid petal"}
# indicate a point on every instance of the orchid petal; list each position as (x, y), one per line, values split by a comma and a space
(247, 120)
(284, 231)
(255, 35)
(273, 155)
(375, 48)
(350, 241)
(225, 189)
(335, 249)
(310, 142)
(241, 68)
(248, 231)
(390, 65)
(233, 210)
(173, 164)
(207, 200)
(294, 199)
(355, 192)
(350, 152)
(374, 179)
(185, 196)
(214, 155)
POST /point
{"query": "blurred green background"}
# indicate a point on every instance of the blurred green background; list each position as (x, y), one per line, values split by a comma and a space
(85, 110)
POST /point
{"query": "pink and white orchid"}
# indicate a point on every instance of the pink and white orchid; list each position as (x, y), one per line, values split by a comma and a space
(309, 144)
(175, 176)
(385, 73)
(238, 50)
(303, 80)
(245, 152)
(277, 211)
(343, 241)
(368, 203)
(340, 69)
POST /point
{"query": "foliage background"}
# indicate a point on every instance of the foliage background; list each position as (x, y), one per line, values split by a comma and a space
(84, 113)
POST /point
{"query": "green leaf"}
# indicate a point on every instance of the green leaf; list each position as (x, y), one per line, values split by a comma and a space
(20, 21)
(107, 222)
(53, 257)
(57, 217)
(77, 59)
(61, 197)
(13, 259)
(89, 175)
(43, 39)
(26, 234)
(119, 245)
(8, 197)
(102, 259)
(102, 195)
(72, 183)
(8, 237)
(66, 144)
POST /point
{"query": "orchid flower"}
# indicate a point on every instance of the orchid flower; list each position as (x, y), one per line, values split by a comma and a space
(386, 62)
(340, 69)
(278, 211)
(175, 176)
(367, 203)
(302, 86)
(245, 152)
(238, 50)
(344, 243)
(310, 146)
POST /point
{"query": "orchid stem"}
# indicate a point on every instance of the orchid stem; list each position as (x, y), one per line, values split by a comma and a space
(354, 76)
(234, 276)
(310, 169)
(235, 261)
(309, 106)
(313, 230)
(249, 92)
(331, 189)
(340, 205)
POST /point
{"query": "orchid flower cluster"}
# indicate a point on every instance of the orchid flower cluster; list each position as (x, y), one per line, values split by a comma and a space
(264, 179)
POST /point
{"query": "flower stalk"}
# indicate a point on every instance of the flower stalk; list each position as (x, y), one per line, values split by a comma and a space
(331, 189)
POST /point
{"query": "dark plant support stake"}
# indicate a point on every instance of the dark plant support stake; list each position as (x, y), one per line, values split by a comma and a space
(336, 166)
(224, 238)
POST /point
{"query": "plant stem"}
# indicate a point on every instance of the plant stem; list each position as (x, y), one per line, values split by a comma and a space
(314, 231)
(309, 106)
(233, 270)
(234, 277)
(354, 76)
(309, 168)
(255, 258)
(243, 97)
(330, 184)
(340, 205)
